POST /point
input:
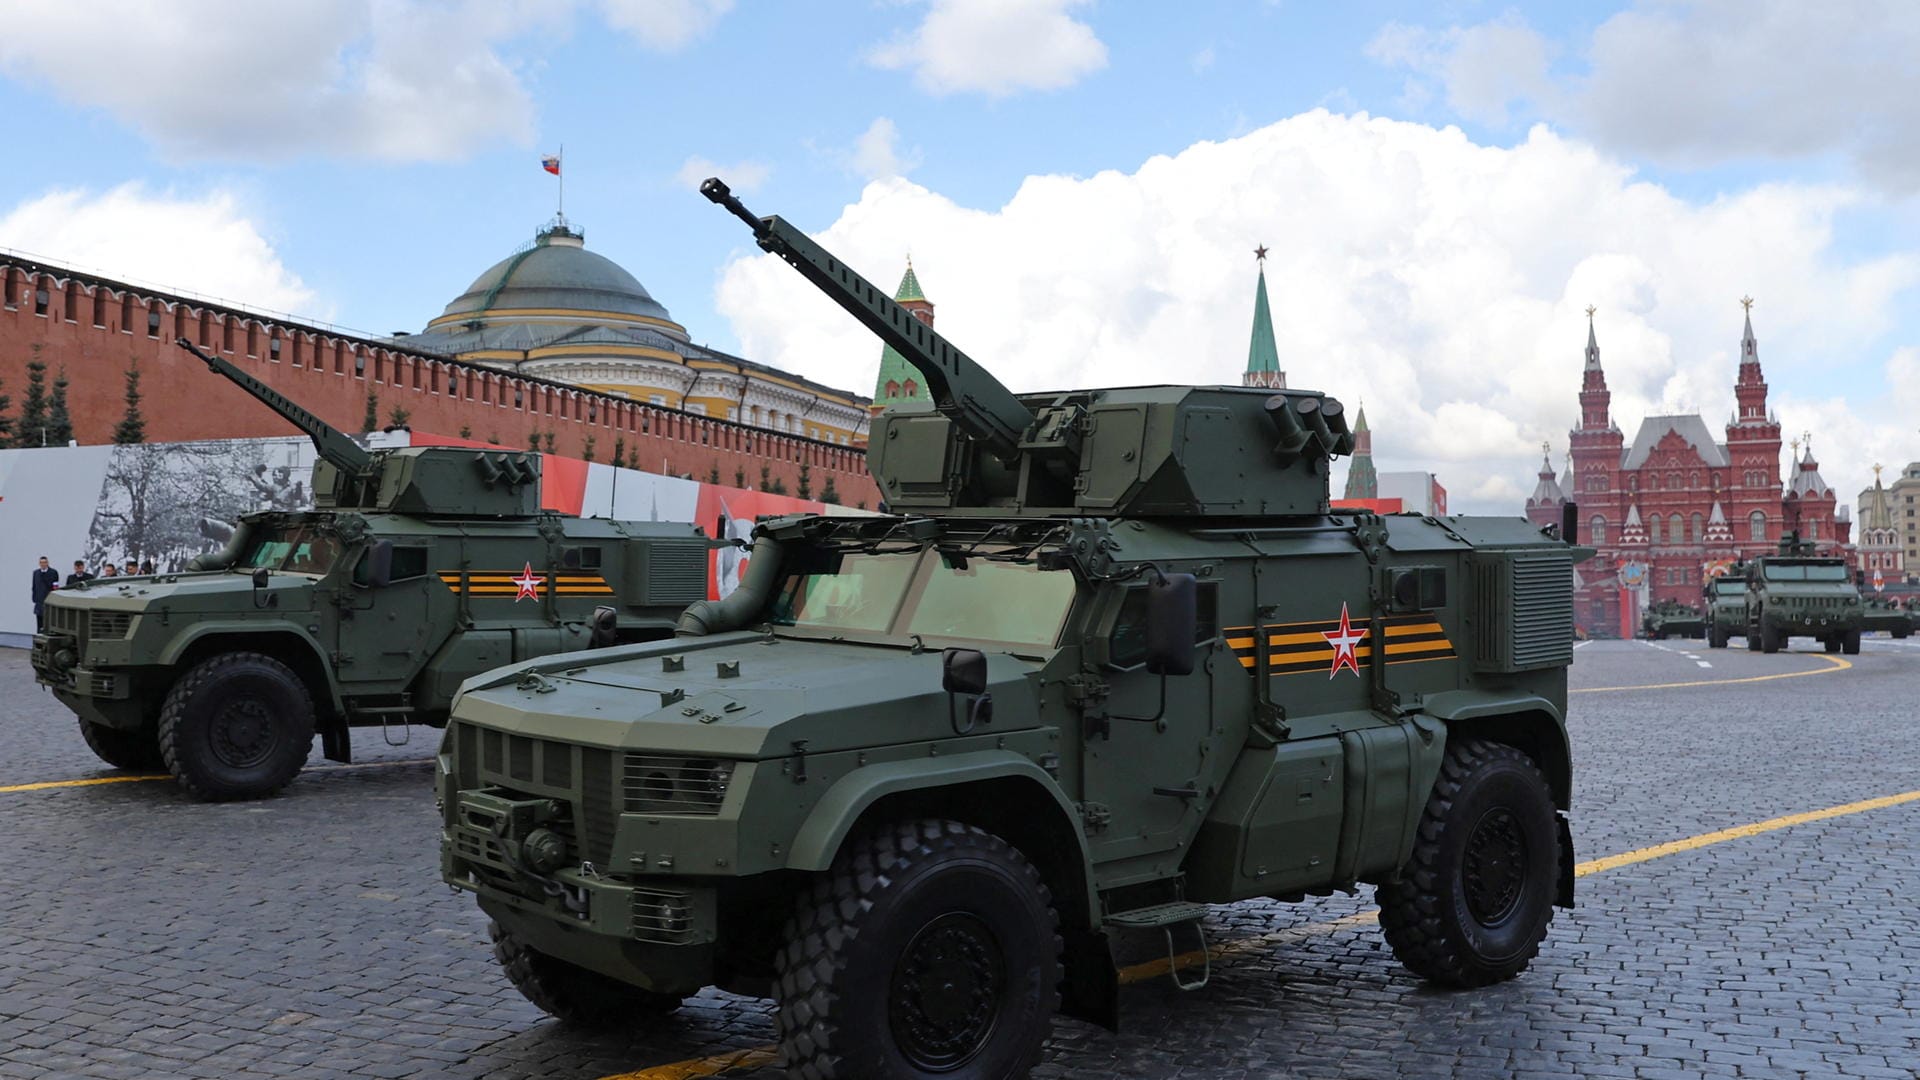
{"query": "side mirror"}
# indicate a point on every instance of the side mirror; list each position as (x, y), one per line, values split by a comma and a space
(1173, 615)
(380, 564)
(260, 578)
(603, 628)
(963, 671)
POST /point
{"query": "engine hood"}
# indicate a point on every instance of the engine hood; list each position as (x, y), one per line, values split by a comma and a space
(741, 695)
(217, 590)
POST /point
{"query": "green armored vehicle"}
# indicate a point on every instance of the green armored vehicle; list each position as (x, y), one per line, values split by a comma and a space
(416, 569)
(1670, 618)
(1110, 661)
(1726, 604)
(1795, 593)
(1887, 616)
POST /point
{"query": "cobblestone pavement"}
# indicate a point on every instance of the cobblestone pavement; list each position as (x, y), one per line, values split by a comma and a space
(144, 935)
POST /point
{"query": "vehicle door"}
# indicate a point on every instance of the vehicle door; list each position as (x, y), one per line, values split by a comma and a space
(1153, 752)
(389, 623)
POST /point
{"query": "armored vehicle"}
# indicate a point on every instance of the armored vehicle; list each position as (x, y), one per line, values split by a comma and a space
(1670, 618)
(416, 568)
(1726, 604)
(1795, 593)
(1887, 616)
(1110, 660)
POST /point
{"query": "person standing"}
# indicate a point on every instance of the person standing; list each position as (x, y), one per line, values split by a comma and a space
(109, 570)
(133, 568)
(79, 575)
(45, 580)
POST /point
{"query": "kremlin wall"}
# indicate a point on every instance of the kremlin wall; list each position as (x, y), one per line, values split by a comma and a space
(674, 408)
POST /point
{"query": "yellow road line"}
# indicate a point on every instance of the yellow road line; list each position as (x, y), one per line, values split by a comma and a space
(1135, 973)
(1838, 665)
(94, 781)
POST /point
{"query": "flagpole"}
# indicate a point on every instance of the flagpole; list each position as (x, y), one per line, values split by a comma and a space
(560, 208)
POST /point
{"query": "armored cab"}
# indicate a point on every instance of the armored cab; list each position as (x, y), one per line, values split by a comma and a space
(417, 568)
(1794, 593)
(1110, 660)
(1725, 599)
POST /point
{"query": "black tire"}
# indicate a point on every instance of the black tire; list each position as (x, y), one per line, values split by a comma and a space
(1850, 644)
(133, 749)
(1832, 644)
(1716, 639)
(236, 726)
(1472, 905)
(853, 980)
(1770, 639)
(571, 994)
(1753, 640)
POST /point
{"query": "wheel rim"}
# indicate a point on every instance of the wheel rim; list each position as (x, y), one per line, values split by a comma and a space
(1494, 869)
(242, 734)
(946, 990)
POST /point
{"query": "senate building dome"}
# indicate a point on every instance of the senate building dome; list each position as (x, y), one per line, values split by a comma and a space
(554, 310)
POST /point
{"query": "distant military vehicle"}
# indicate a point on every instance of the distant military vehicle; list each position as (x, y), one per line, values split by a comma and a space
(1670, 618)
(1110, 661)
(1886, 616)
(416, 568)
(1795, 593)
(1726, 605)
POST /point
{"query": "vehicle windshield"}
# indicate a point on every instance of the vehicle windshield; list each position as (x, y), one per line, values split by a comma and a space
(299, 549)
(920, 592)
(1726, 587)
(1805, 571)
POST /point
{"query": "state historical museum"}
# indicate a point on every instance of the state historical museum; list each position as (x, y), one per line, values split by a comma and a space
(1676, 506)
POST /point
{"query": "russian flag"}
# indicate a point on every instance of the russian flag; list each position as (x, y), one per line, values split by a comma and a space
(551, 163)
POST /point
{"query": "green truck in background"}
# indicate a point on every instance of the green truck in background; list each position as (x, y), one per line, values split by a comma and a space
(416, 569)
(1726, 605)
(1110, 660)
(1795, 593)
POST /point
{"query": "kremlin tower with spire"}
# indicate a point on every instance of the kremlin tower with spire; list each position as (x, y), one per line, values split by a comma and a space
(1677, 505)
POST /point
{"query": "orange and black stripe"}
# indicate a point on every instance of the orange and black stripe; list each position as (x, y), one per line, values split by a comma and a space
(501, 583)
(1299, 648)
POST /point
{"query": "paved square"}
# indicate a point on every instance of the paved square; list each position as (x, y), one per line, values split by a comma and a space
(144, 935)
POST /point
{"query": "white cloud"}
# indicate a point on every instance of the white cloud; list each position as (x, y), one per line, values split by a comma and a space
(1703, 81)
(1441, 280)
(742, 176)
(877, 155)
(995, 47)
(1482, 68)
(204, 244)
(1202, 60)
(395, 80)
(664, 25)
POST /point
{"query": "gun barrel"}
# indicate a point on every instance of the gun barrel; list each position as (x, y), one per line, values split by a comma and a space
(978, 404)
(333, 444)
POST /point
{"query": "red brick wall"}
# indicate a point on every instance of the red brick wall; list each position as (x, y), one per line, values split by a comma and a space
(95, 329)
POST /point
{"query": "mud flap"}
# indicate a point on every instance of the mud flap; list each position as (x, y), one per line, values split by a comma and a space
(1091, 991)
(336, 742)
(1565, 894)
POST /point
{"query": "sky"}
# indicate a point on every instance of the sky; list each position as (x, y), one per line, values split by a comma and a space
(1444, 188)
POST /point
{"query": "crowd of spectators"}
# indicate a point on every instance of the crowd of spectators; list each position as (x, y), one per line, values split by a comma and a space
(46, 581)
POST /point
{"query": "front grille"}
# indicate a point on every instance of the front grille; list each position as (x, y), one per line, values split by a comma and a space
(658, 784)
(109, 625)
(663, 916)
(99, 685)
(580, 776)
(64, 619)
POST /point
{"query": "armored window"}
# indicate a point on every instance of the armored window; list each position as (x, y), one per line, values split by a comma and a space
(1127, 644)
(409, 562)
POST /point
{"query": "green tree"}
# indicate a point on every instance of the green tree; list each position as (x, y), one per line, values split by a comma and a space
(59, 420)
(398, 417)
(829, 494)
(740, 477)
(778, 487)
(619, 452)
(132, 427)
(765, 483)
(6, 422)
(805, 488)
(33, 411)
(371, 420)
(587, 454)
(713, 475)
(466, 431)
(493, 440)
(548, 440)
(533, 439)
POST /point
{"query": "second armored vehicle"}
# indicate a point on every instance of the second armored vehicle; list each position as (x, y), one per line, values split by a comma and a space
(416, 569)
(1726, 605)
(1670, 618)
(1795, 593)
(1887, 616)
(1111, 661)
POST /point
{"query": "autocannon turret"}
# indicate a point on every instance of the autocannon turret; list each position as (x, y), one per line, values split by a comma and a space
(433, 481)
(1150, 451)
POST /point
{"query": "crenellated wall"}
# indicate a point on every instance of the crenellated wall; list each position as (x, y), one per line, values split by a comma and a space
(94, 328)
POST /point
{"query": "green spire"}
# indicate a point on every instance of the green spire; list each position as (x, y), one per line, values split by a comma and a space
(909, 285)
(895, 373)
(1262, 355)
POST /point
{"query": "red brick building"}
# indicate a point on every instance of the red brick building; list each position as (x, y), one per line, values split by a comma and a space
(93, 329)
(1676, 504)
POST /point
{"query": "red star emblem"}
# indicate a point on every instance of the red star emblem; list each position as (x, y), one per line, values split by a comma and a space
(529, 583)
(1343, 641)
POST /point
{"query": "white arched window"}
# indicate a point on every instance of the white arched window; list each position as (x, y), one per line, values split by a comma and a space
(1757, 526)
(1597, 530)
(1676, 530)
